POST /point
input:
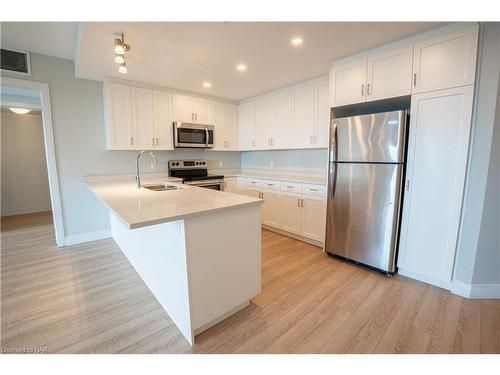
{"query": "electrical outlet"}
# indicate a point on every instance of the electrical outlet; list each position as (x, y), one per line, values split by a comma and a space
(271, 164)
(221, 163)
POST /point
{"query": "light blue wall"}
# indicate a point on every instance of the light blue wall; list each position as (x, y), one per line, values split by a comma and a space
(313, 160)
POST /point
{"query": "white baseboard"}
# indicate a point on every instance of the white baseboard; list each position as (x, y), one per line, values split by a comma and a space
(87, 237)
(425, 279)
(476, 291)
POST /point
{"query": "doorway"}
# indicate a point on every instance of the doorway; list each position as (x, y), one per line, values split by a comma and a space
(29, 171)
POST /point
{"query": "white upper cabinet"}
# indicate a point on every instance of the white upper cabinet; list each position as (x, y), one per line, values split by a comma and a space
(142, 118)
(220, 137)
(118, 114)
(263, 124)
(445, 61)
(348, 83)
(203, 111)
(281, 120)
(303, 113)
(246, 125)
(226, 126)
(389, 74)
(183, 108)
(232, 126)
(321, 114)
(191, 109)
(163, 119)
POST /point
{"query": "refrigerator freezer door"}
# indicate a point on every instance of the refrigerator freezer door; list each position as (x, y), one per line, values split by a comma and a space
(377, 137)
(362, 212)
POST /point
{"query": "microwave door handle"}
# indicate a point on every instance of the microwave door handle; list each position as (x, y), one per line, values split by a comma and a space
(206, 137)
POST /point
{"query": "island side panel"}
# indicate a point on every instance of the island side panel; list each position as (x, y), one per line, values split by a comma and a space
(158, 254)
(224, 259)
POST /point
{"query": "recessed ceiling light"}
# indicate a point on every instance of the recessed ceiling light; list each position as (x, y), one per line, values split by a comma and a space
(20, 111)
(207, 84)
(297, 41)
(123, 68)
(241, 67)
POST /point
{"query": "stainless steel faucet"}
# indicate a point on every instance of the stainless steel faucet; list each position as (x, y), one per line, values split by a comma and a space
(138, 175)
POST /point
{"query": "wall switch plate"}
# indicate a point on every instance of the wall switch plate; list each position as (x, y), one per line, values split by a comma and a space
(221, 164)
(271, 164)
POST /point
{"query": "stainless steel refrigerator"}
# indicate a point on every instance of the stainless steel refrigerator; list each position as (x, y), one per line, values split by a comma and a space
(365, 174)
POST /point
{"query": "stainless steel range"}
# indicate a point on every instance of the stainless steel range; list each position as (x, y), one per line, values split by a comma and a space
(195, 172)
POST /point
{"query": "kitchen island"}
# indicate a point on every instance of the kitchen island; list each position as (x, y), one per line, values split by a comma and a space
(198, 250)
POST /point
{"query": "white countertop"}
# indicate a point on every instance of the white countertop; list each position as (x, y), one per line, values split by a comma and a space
(142, 207)
(279, 177)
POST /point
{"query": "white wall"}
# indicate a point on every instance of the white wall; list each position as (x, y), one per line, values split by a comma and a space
(78, 121)
(478, 250)
(312, 161)
(487, 265)
(25, 185)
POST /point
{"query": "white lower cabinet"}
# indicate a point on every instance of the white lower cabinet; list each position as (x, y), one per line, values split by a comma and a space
(271, 208)
(290, 212)
(230, 184)
(437, 160)
(286, 208)
(313, 217)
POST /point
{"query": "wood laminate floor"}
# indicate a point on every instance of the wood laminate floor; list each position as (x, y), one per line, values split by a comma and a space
(88, 299)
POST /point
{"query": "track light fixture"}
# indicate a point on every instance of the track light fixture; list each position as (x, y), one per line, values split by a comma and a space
(120, 48)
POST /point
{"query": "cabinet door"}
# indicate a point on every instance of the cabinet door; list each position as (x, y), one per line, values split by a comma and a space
(246, 125)
(183, 108)
(163, 120)
(445, 61)
(437, 159)
(348, 83)
(321, 115)
(204, 111)
(120, 132)
(389, 74)
(220, 123)
(263, 123)
(271, 209)
(242, 185)
(232, 126)
(281, 120)
(303, 110)
(313, 218)
(290, 212)
(230, 185)
(142, 117)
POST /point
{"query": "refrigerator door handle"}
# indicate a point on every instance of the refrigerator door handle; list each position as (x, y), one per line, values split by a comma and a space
(333, 150)
(332, 180)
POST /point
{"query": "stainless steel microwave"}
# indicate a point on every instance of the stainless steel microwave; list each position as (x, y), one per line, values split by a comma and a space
(193, 135)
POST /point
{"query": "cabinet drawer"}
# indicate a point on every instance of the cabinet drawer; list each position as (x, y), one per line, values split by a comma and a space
(313, 189)
(254, 183)
(270, 185)
(292, 187)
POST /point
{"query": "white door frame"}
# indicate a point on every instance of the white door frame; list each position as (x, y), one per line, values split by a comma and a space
(50, 153)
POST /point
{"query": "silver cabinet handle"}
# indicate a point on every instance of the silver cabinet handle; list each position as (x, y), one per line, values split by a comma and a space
(362, 90)
(196, 116)
(298, 202)
(301, 203)
(414, 79)
(311, 139)
(313, 189)
(314, 138)
(131, 141)
(289, 187)
(368, 89)
(272, 141)
(156, 139)
(153, 141)
(253, 142)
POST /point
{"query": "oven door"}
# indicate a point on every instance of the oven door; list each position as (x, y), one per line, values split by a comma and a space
(214, 185)
(193, 135)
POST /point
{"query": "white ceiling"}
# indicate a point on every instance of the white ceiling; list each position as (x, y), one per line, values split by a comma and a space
(48, 38)
(183, 55)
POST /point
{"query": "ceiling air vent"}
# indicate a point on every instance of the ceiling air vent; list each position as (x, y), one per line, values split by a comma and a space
(15, 61)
